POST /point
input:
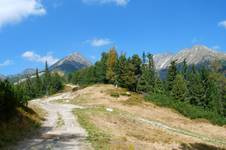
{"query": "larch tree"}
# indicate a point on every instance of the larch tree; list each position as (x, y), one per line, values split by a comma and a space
(111, 62)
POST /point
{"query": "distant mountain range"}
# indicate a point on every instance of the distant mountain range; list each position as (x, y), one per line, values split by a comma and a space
(67, 64)
(195, 55)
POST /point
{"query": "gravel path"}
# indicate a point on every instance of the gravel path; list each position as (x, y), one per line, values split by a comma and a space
(67, 135)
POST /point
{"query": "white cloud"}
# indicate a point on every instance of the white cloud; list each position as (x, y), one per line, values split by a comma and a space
(6, 63)
(14, 11)
(31, 56)
(222, 24)
(98, 42)
(117, 2)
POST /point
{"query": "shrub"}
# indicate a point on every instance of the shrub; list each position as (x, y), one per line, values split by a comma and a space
(116, 95)
(8, 100)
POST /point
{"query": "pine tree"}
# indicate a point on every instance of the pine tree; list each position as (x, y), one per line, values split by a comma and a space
(214, 98)
(179, 90)
(30, 88)
(147, 80)
(159, 86)
(185, 69)
(100, 69)
(131, 79)
(136, 63)
(47, 79)
(144, 58)
(38, 84)
(121, 71)
(197, 91)
(151, 72)
(171, 76)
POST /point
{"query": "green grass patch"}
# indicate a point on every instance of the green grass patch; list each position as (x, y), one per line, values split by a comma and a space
(117, 92)
(60, 121)
(186, 109)
(115, 95)
(134, 99)
(98, 138)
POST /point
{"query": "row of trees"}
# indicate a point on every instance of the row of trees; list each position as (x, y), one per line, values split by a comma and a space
(46, 84)
(203, 87)
(17, 95)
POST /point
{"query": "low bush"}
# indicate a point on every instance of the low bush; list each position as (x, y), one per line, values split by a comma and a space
(116, 95)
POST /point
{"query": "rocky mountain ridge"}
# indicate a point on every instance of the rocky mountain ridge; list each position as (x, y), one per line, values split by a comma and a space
(195, 55)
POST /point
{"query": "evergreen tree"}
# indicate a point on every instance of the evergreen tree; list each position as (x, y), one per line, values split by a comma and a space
(8, 100)
(100, 69)
(197, 92)
(185, 69)
(56, 83)
(159, 86)
(38, 84)
(147, 80)
(214, 97)
(30, 88)
(179, 90)
(144, 58)
(121, 70)
(151, 72)
(131, 79)
(47, 78)
(136, 63)
(219, 87)
(171, 76)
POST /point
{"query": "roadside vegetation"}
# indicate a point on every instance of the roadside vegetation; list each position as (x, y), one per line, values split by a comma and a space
(17, 119)
(200, 90)
(60, 121)
(23, 124)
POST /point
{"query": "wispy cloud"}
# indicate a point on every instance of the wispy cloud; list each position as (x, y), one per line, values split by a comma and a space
(117, 2)
(98, 42)
(14, 11)
(222, 24)
(6, 63)
(216, 47)
(31, 56)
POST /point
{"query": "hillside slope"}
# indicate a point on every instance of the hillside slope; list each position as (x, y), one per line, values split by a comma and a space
(117, 119)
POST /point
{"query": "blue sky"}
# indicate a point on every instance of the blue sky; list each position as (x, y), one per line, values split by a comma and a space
(32, 31)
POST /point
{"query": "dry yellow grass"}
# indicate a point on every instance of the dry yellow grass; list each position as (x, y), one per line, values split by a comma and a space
(24, 124)
(137, 134)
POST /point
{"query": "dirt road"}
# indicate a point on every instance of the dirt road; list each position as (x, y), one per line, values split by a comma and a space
(60, 130)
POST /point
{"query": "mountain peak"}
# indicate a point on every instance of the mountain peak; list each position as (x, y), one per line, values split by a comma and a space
(72, 62)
